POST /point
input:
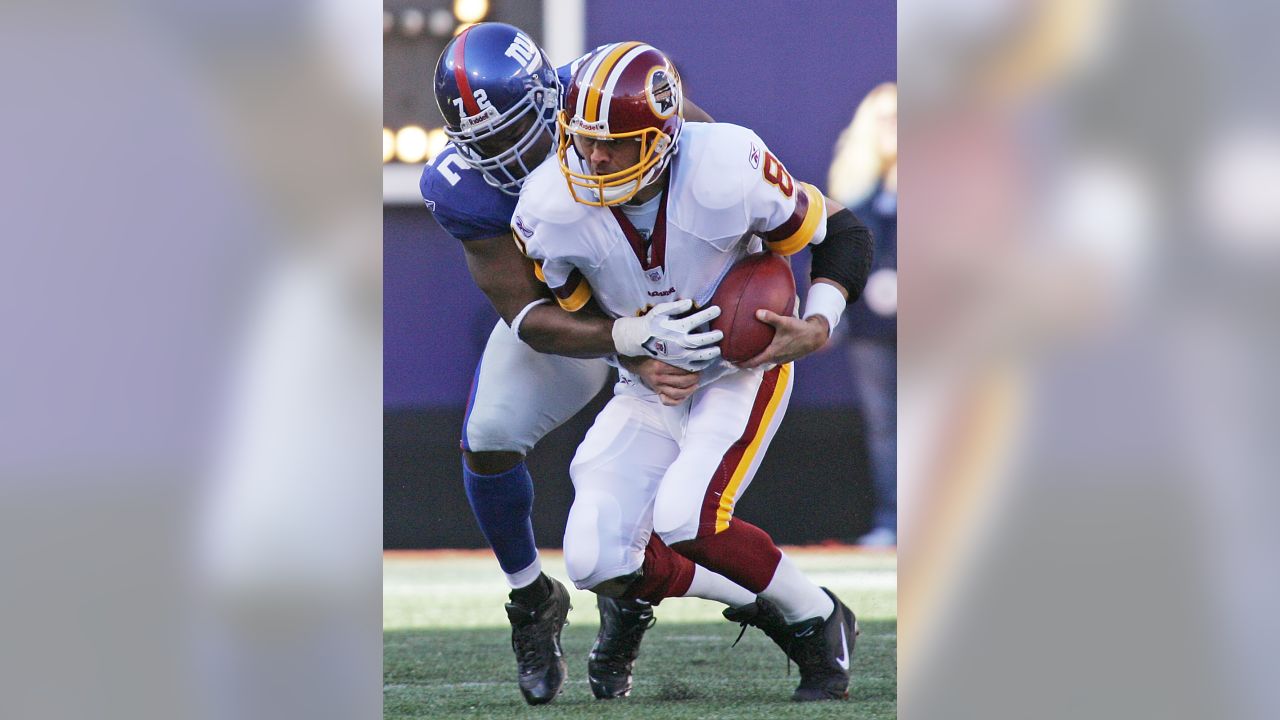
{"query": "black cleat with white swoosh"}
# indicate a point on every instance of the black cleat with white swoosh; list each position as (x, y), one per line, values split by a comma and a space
(823, 650)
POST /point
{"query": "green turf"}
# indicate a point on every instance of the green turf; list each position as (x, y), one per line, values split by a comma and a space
(447, 649)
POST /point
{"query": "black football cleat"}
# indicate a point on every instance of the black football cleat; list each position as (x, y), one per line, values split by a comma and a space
(535, 637)
(622, 627)
(764, 615)
(823, 650)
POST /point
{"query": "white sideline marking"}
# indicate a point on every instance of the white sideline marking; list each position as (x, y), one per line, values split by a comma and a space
(458, 685)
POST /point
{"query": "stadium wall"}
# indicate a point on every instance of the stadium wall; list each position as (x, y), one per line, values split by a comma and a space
(812, 485)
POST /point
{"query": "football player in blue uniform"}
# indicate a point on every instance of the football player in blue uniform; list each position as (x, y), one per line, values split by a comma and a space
(499, 95)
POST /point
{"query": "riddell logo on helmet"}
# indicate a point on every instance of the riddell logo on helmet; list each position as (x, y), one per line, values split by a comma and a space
(485, 115)
(577, 123)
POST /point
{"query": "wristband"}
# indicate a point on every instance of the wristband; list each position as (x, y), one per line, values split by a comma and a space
(629, 335)
(519, 318)
(825, 300)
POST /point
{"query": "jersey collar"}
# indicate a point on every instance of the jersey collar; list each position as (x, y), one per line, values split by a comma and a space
(653, 256)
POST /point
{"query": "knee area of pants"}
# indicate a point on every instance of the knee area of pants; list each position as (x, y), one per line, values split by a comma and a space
(580, 466)
(674, 524)
(577, 565)
(672, 537)
(582, 552)
(494, 437)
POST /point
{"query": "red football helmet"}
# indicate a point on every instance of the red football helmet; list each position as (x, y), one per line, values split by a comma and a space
(622, 91)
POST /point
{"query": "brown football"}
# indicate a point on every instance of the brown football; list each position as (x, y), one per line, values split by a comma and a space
(757, 281)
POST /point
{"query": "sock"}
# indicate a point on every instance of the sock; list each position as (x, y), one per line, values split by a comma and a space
(713, 586)
(665, 573)
(502, 504)
(533, 594)
(522, 578)
(741, 552)
(796, 596)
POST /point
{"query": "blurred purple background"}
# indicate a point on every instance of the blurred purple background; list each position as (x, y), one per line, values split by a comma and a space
(758, 64)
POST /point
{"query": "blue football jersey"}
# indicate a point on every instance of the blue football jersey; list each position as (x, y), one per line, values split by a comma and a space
(466, 206)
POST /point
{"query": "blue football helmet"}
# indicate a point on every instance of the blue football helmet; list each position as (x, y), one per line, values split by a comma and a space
(499, 95)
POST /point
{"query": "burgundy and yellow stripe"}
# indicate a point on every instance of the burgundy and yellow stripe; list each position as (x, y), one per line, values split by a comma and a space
(573, 294)
(600, 77)
(742, 454)
(799, 230)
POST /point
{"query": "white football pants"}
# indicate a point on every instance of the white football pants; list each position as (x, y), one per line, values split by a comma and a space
(676, 470)
(519, 394)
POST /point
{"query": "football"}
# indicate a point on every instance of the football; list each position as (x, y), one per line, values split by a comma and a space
(757, 281)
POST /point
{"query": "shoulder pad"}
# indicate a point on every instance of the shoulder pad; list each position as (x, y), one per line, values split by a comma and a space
(465, 205)
(731, 154)
(546, 196)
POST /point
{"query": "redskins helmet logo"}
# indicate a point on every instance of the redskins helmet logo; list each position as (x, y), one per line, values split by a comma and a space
(661, 93)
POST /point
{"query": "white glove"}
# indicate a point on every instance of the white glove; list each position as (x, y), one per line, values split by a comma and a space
(662, 337)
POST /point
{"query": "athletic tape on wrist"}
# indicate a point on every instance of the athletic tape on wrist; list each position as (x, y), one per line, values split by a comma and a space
(825, 300)
(515, 324)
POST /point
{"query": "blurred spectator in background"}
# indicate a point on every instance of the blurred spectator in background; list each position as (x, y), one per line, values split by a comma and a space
(864, 177)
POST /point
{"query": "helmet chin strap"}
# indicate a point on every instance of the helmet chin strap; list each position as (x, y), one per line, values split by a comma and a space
(639, 184)
(613, 193)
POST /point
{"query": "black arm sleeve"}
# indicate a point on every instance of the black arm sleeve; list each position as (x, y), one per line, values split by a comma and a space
(845, 254)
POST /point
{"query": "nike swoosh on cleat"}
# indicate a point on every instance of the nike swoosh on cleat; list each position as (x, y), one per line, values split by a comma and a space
(843, 660)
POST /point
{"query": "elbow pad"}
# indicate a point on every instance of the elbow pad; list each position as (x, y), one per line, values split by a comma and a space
(845, 254)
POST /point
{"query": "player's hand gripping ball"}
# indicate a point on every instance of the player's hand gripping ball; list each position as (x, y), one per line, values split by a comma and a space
(762, 281)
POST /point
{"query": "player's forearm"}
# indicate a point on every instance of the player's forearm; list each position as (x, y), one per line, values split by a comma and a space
(840, 267)
(549, 329)
(505, 276)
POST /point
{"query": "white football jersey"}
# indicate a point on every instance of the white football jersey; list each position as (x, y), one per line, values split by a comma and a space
(727, 195)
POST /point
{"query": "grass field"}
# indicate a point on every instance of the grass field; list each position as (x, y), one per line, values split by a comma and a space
(447, 651)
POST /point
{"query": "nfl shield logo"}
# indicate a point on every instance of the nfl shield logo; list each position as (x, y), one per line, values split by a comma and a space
(655, 275)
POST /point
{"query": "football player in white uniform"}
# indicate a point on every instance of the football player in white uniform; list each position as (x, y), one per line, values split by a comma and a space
(640, 208)
(498, 94)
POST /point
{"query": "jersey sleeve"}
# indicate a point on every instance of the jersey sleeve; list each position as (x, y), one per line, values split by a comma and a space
(559, 273)
(465, 227)
(786, 213)
(564, 74)
(459, 199)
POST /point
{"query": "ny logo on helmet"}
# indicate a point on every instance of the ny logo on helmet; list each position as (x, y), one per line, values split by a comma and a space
(524, 51)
